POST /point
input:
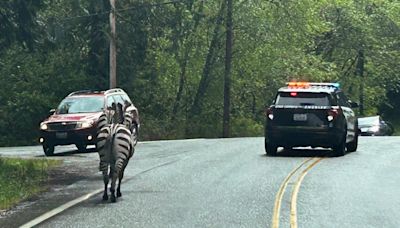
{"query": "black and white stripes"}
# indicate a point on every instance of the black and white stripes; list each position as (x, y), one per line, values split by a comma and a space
(132, 126)
(115, 147)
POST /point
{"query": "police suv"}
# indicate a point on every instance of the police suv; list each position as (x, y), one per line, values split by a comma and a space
(311, 114)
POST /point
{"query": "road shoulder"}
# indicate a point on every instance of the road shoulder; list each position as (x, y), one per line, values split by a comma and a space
(66, 182)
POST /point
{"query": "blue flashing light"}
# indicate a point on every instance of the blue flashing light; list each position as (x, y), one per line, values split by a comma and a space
(312, 84)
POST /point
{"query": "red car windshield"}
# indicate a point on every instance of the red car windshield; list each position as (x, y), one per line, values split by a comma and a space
(82, 104)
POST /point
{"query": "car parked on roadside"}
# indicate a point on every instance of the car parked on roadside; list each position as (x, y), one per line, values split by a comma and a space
(374, 126)
(311, 114)
(79, 116)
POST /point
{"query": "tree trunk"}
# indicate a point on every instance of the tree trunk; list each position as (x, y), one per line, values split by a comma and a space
(205, 78)
(183, 63)
(181, 85)
(360, 72)
(227, 75)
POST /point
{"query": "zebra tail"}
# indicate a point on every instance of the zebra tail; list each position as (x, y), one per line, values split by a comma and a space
(122, 146)
(104, 145)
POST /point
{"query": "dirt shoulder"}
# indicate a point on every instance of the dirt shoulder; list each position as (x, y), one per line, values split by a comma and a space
(66, 182)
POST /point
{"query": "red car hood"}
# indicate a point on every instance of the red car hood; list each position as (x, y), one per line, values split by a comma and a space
(73, 117)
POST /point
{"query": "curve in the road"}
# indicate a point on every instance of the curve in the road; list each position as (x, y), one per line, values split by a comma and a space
(282, 189)
(295, 192)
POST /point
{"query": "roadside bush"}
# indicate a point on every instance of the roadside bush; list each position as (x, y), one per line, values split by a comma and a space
(246, 127)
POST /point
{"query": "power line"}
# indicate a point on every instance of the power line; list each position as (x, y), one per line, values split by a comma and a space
(84, 16)
(148, 5)
(152, 5)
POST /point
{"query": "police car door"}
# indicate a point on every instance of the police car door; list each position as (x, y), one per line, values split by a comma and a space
(349, 115)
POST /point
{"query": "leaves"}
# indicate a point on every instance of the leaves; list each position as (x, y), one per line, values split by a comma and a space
(164, 49)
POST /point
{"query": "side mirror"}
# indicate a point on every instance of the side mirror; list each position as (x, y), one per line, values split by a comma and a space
(52, 111)
(353, 104)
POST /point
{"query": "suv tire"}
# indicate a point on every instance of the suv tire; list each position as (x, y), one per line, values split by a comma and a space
(101, 122)
(352, 146)
(135, 134)
(270, 149)
(340, 149)
(48, 150)
(81, 147)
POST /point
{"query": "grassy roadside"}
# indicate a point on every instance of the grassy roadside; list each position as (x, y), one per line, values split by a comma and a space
(22, 178)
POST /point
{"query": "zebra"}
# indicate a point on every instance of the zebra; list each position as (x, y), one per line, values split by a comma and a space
(115, 148)
(120, 116)
(132, 126)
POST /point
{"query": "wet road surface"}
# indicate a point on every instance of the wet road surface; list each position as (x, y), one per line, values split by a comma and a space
(230, 183)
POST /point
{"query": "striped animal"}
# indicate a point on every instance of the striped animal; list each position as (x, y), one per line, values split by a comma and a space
(132, 126)
(115, 148)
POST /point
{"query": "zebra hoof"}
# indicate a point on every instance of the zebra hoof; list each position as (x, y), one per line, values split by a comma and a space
(113, 199)
(119, 194)
(105, 197)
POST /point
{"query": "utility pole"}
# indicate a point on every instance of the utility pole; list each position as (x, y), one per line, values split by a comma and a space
(227, 75)
(360, 73)
(113, 48)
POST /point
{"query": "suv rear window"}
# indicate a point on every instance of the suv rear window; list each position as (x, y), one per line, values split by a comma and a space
(302, 99)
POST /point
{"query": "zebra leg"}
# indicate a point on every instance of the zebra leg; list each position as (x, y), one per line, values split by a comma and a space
(113, 176)
(120, 176)
(105, 179)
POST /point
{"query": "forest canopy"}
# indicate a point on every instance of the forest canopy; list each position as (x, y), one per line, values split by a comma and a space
(171, 59)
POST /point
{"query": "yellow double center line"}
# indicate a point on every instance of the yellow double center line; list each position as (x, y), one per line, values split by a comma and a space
(296, 188)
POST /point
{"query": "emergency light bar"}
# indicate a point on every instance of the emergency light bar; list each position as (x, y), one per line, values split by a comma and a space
(313, 84)
(298, 84)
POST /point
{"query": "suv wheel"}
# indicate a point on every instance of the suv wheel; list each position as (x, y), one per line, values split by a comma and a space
(101, 122)
(270, 149)
(340, 149)
(135, 134)
(48, 150)
(352, 146)
(287, 148)
(81, 147)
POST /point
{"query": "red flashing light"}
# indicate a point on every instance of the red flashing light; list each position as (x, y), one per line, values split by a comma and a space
(298, 84)
(293, 94)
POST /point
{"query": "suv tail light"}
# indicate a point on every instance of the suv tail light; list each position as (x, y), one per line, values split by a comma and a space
(333, 113)
(269, 113)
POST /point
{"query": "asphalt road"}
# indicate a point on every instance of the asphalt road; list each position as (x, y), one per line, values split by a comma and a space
(230, 183)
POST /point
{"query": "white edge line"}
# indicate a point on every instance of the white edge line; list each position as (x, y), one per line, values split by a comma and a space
(76, 201)
(60, 209)
(184, 140)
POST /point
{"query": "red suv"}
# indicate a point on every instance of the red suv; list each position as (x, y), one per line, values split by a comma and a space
(80, 115)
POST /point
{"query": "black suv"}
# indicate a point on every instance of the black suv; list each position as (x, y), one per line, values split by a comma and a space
(311, 114)
(80, 115)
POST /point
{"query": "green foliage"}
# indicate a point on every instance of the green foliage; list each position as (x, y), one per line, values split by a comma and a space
(30, 88)
(169, 53)
(17, 22)
(20, 179)
(246, 127)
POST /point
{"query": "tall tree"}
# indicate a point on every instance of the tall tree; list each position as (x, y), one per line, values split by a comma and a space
(18, 22)
(210, 60)
(360, 73)
(228, 66)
